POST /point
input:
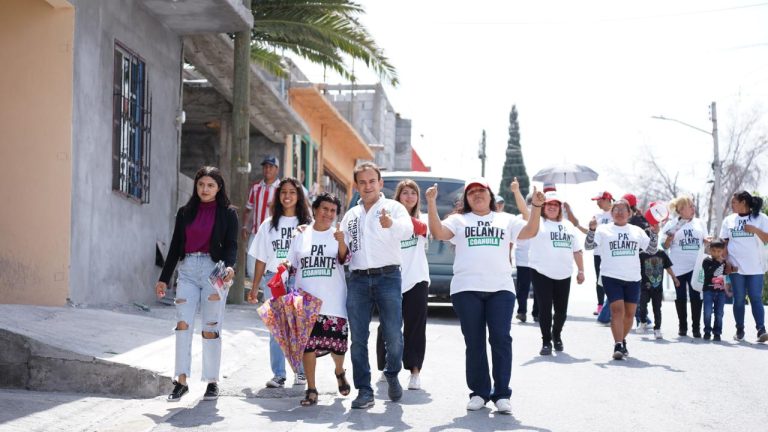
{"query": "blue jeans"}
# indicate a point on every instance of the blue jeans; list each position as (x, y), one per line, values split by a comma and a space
(752, 286)
(478, 310)
(276, 356)
(192, 292)
(363, 293)
(713, 300)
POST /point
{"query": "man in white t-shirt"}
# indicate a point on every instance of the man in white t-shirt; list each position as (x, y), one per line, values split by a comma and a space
(259, 201)
(373, 230)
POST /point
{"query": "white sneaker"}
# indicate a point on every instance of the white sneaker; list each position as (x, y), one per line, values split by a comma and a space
(475, 403)
(382, 378)
(641, 328)
(657, 334)
(414, 383)
(504, 406)
(300, 380)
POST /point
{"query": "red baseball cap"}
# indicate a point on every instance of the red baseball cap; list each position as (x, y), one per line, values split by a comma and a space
(549, 187)
(477, 181)
(631, 199)
(603, 195)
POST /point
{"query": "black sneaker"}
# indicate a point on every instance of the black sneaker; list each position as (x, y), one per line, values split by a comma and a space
(739, 336)
(558, 344)
(546, 350)
(624, 348)
(762, 336)
(211, 392)
(179, 390)
(716, 338)
(395, 390)
(618, 354)
(276, 382)
(707, 335)
(696, 334)
(521, 317)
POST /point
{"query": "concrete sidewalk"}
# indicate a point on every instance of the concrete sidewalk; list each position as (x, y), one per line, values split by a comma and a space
(123, 352)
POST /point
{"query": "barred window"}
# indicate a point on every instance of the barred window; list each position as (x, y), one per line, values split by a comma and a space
(131, 125)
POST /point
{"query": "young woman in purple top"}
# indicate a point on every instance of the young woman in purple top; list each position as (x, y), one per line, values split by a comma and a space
(204, 234)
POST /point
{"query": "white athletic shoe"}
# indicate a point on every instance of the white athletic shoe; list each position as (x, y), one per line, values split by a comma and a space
(300, 380)
(414, 383)
(657, 334)
(475, 403)
(504, 406)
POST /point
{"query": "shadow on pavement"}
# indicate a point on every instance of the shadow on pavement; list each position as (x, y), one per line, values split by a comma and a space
(206, 413)
(557, 357)
(635, 363)
(485, 420)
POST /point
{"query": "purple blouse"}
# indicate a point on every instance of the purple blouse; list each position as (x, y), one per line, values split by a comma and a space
(198, 233)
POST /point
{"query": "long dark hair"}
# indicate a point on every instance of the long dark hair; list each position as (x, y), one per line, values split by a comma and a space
(222, 200)
(754, 203)
(278, 211)
(467, 209)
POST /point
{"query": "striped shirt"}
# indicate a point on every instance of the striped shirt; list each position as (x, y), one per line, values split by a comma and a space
(259, 201)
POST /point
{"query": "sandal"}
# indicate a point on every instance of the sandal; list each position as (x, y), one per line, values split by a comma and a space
(344, 387)
(308, 399)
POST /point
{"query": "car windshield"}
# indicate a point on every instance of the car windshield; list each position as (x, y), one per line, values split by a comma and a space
(448, 192)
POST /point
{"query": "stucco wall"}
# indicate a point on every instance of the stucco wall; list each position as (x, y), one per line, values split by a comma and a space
(113, 238)
(36, 150)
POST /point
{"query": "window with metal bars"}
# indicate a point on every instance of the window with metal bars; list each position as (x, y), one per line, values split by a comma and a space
(131, 125)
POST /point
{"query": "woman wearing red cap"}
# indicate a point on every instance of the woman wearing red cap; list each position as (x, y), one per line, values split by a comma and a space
(619, 244)
(604, 201)
(685, 235)
(552, 253)
(482, 288)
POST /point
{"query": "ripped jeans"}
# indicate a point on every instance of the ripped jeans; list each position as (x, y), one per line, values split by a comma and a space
(193, 290)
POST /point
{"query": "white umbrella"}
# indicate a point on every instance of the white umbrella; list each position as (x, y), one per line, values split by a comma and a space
(565, 174)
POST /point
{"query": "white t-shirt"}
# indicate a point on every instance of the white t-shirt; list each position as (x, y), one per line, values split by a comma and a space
(482, 251)
(315, 256)
(271, 246)
(552, 249)
(371, 245)
(743, 249)
(415, 268)
(619, 248)
(521, 250)
(602, 218)
(686, 243)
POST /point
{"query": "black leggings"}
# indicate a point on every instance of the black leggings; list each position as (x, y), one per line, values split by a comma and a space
(549, 293)
(655, 296)
(414, 329)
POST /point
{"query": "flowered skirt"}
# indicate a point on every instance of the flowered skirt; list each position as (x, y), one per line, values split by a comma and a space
(329, 335)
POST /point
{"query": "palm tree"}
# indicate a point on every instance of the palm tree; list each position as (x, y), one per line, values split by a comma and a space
(321, 31)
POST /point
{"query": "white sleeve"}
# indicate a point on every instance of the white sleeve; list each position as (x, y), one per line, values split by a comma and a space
(261, 247)
(402, 227)
(293, 253)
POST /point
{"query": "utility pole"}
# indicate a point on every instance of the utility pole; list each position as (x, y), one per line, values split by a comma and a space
(716, 200)
(481, 155)
(240, 167)
(717, 193)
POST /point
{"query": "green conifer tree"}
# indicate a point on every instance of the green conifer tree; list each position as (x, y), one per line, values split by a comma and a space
(514, 166)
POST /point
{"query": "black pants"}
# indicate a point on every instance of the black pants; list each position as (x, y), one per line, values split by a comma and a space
(551, 293)
(598, 287)
(414, 329)
(522, 289)
(655, 296)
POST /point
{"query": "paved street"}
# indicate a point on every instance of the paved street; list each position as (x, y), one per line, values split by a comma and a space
(673, 384)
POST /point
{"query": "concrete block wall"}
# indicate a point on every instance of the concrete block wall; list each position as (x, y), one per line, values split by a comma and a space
(113, 237)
